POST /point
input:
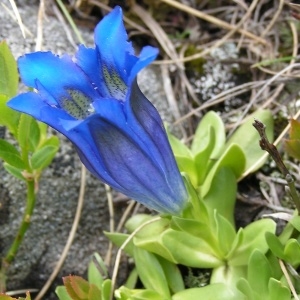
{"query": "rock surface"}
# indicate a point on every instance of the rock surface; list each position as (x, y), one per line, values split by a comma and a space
(59, 185)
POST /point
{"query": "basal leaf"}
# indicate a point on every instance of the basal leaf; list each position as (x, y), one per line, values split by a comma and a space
(254, 237)
(222, 199)
(247, 138)
(210, 120)
(233, 158)
(216, 291)
(151, 272)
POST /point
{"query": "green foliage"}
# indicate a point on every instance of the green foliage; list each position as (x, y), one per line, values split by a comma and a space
(259, 283)
(96, 288)
(292, 145)
(204, 237)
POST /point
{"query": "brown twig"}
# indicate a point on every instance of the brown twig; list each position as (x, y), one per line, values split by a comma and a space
(272, 150)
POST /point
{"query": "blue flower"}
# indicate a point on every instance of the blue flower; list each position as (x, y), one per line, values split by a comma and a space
(94, 100)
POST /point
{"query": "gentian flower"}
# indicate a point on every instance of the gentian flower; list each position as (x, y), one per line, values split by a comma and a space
(94, 100)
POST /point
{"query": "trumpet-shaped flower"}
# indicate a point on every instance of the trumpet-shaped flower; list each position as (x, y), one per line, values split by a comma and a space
(94, 100)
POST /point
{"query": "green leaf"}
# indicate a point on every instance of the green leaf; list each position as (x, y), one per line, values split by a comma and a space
(292, 252)
(132, 279)
(232, 158)
(277, 291)
(295, 130)
(150, 272)
(173, 275)
(203, 159)
(8, 116)
(178, 147)
(187, 165)
(79, 289)
(254, 237)
(292, 147)
(225, 232)
(9, 79)
(106, 290)
(62, 293)
(244, 286)
(210, 120)
(94, 271)
(23, 134)
(216, 291)
(43, 157)
(34, 137)
(119, 239)
(247, 138)
(14, 171)
(275, 245)
(222, 199)
(11, 155)
(228, 275)
(259, 273)
(189, 250)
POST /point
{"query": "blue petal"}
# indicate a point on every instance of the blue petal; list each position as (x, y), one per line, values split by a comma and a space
(89, 61)
(55, 74)
(147, 55)
(145, 120)
(131, 168)
(111, 41)
(33, 104)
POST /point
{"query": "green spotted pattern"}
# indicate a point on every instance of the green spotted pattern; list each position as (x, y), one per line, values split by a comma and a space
(116, 86)
(77, 105)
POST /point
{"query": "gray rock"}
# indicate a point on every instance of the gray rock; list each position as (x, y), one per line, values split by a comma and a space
(59, 185)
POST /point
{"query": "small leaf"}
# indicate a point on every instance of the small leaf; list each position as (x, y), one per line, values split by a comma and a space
(173, 275)
(222, 199)
(254, 237)
(204, 159)
(9, 79)
(62, 293)
(151, 272)
(259, 273)
(216, 291)
(295, 130)
(247, 138)
(132, 279)
(14, 171)
(11, 155)
(118, 239)
(225, 232)
(43, 157)
(8, 116)
(277, 291)
(292, 252)
(211, 119)
(94, 271)
(79, 289)
(106, 290)
(244, 286)
(189, 250)
(23, 134)
(232, 158)
(275, 245)
(292, 147)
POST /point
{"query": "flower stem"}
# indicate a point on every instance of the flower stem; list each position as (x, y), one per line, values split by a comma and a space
(6, 261)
